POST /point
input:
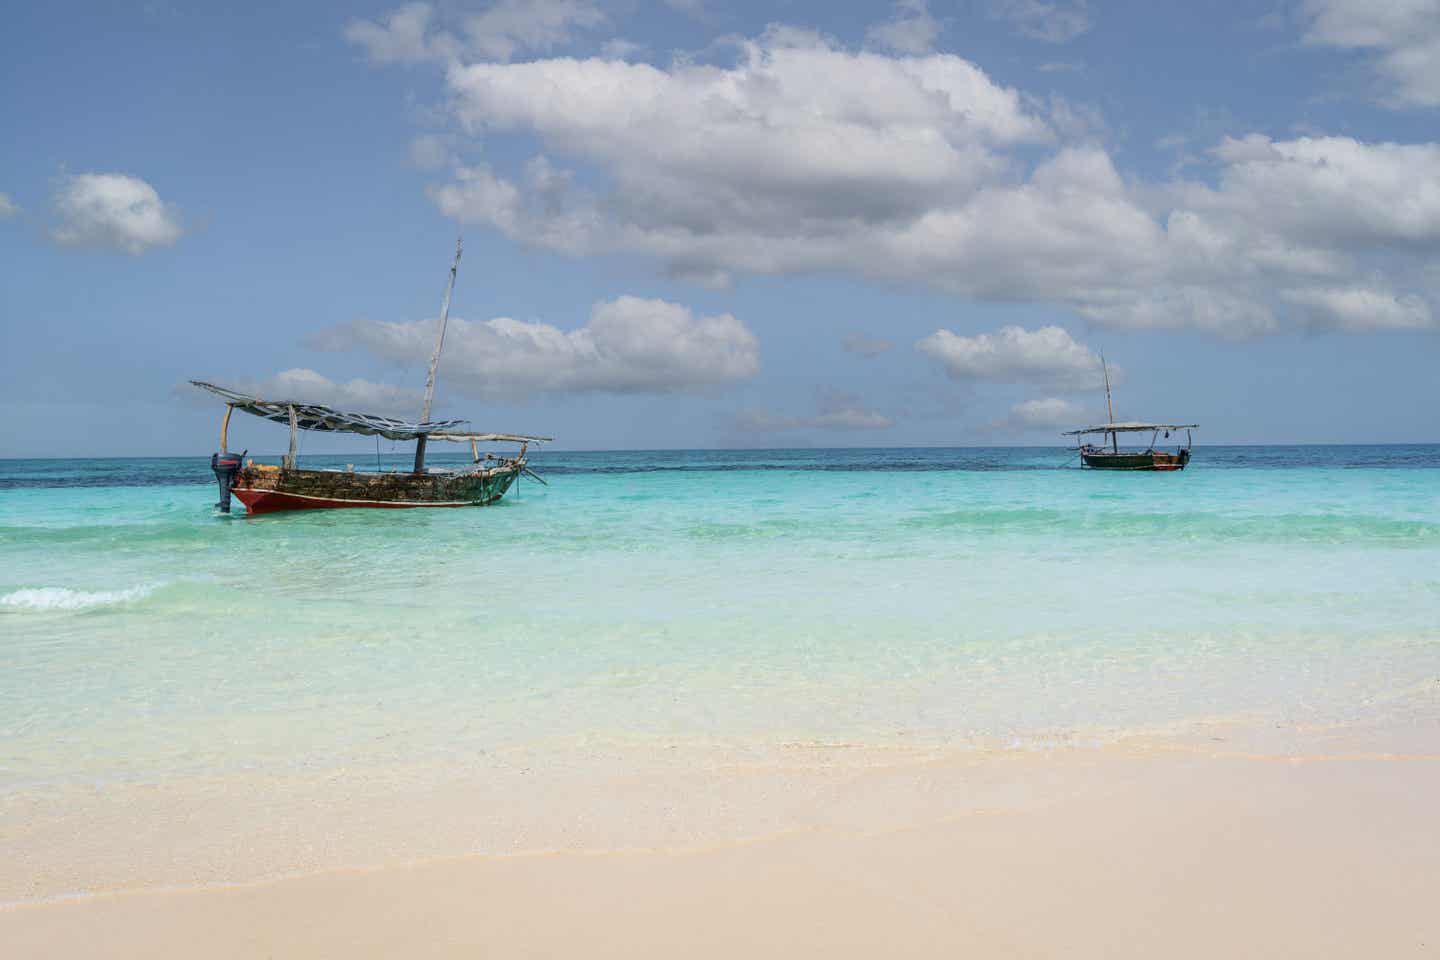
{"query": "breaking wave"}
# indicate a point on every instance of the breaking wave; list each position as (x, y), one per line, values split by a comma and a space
(62, 598)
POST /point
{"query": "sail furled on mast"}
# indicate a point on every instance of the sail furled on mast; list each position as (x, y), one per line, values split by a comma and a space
(440, 335)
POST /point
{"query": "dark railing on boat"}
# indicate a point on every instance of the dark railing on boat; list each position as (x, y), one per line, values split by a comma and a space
(1099, 457)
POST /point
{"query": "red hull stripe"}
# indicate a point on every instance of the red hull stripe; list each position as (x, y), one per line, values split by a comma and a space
(269, 501)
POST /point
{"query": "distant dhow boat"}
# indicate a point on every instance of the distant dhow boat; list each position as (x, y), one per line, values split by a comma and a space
(266, 488)
(1151, 458)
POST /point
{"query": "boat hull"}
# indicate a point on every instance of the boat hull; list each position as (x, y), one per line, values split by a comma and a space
(1146, 460)
(272, 489)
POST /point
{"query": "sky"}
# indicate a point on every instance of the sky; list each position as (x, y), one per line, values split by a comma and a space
(691, 224)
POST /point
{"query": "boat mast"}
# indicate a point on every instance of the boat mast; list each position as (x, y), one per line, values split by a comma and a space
(435, 357)
(1109, 405)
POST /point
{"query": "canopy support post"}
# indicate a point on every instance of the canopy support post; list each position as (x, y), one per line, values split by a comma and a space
(474, 450)
(225, 427)
(290, 457)
(420, 453)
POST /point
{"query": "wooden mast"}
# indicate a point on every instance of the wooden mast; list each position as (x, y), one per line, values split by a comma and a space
(435, 357)
(1109, 405)
(225, 427)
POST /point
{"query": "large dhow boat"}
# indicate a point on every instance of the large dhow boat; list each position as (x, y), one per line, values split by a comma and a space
(266, 488)
(1107, 454)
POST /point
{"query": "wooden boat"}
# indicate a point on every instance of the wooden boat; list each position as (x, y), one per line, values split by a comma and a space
(266, 488)
(1096, 456)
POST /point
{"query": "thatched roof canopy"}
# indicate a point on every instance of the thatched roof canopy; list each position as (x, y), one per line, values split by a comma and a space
(314, 416)
(1130, 427)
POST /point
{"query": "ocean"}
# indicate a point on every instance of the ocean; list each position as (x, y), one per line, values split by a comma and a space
(964, 599)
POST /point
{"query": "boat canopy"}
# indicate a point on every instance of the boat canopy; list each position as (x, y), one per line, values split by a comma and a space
(1131, 427)
(312, 416)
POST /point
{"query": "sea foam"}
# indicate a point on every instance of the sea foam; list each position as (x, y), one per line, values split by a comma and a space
(62, 598)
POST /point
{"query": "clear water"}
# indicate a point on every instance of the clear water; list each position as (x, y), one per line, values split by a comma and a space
(946, 596)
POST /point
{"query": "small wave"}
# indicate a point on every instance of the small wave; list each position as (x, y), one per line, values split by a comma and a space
(62, 598)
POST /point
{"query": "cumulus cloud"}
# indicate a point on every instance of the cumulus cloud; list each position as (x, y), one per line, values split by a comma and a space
(413, 32)
(1052, 22)
(868, 347)
(404, 36)
(1045, 413)
(798, 131)
(1403, 36)
(1048, 356)
(512, 25)
(8, 208)
(837, 411)
(1362, 310)
(911, 30)
(112, 211)
(804, 156)
(630, 345)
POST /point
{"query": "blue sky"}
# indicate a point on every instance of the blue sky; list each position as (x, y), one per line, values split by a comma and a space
(690, 224)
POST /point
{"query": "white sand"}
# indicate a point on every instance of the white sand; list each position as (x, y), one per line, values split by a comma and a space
(1078, 853)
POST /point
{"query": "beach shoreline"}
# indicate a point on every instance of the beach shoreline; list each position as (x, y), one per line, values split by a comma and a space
(1179, 848)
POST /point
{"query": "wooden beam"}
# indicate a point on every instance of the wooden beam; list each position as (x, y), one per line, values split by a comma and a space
(225, 426)
(420, 454)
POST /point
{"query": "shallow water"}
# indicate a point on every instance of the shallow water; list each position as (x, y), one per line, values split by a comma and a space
(987, 597)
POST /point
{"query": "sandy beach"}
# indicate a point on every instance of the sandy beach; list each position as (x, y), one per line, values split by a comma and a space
(1138, 850)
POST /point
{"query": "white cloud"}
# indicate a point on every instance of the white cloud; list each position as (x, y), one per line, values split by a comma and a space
(803, 156)
(404, 36)
(8, 208)
(478, 196)
(508, 26)
(868, 347)
(1363, 310)
(630, 345)
(412, 33)
(1046, 356)
(911, 30)
(1053, 22)
(1331, 192)
(1403, 35)
(112, 211)
(792, 130)
(1045, 413)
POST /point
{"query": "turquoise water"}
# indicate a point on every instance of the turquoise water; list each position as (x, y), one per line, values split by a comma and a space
(951, 596)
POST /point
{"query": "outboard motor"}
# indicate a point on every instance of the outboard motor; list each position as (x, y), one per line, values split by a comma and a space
(226, 466)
